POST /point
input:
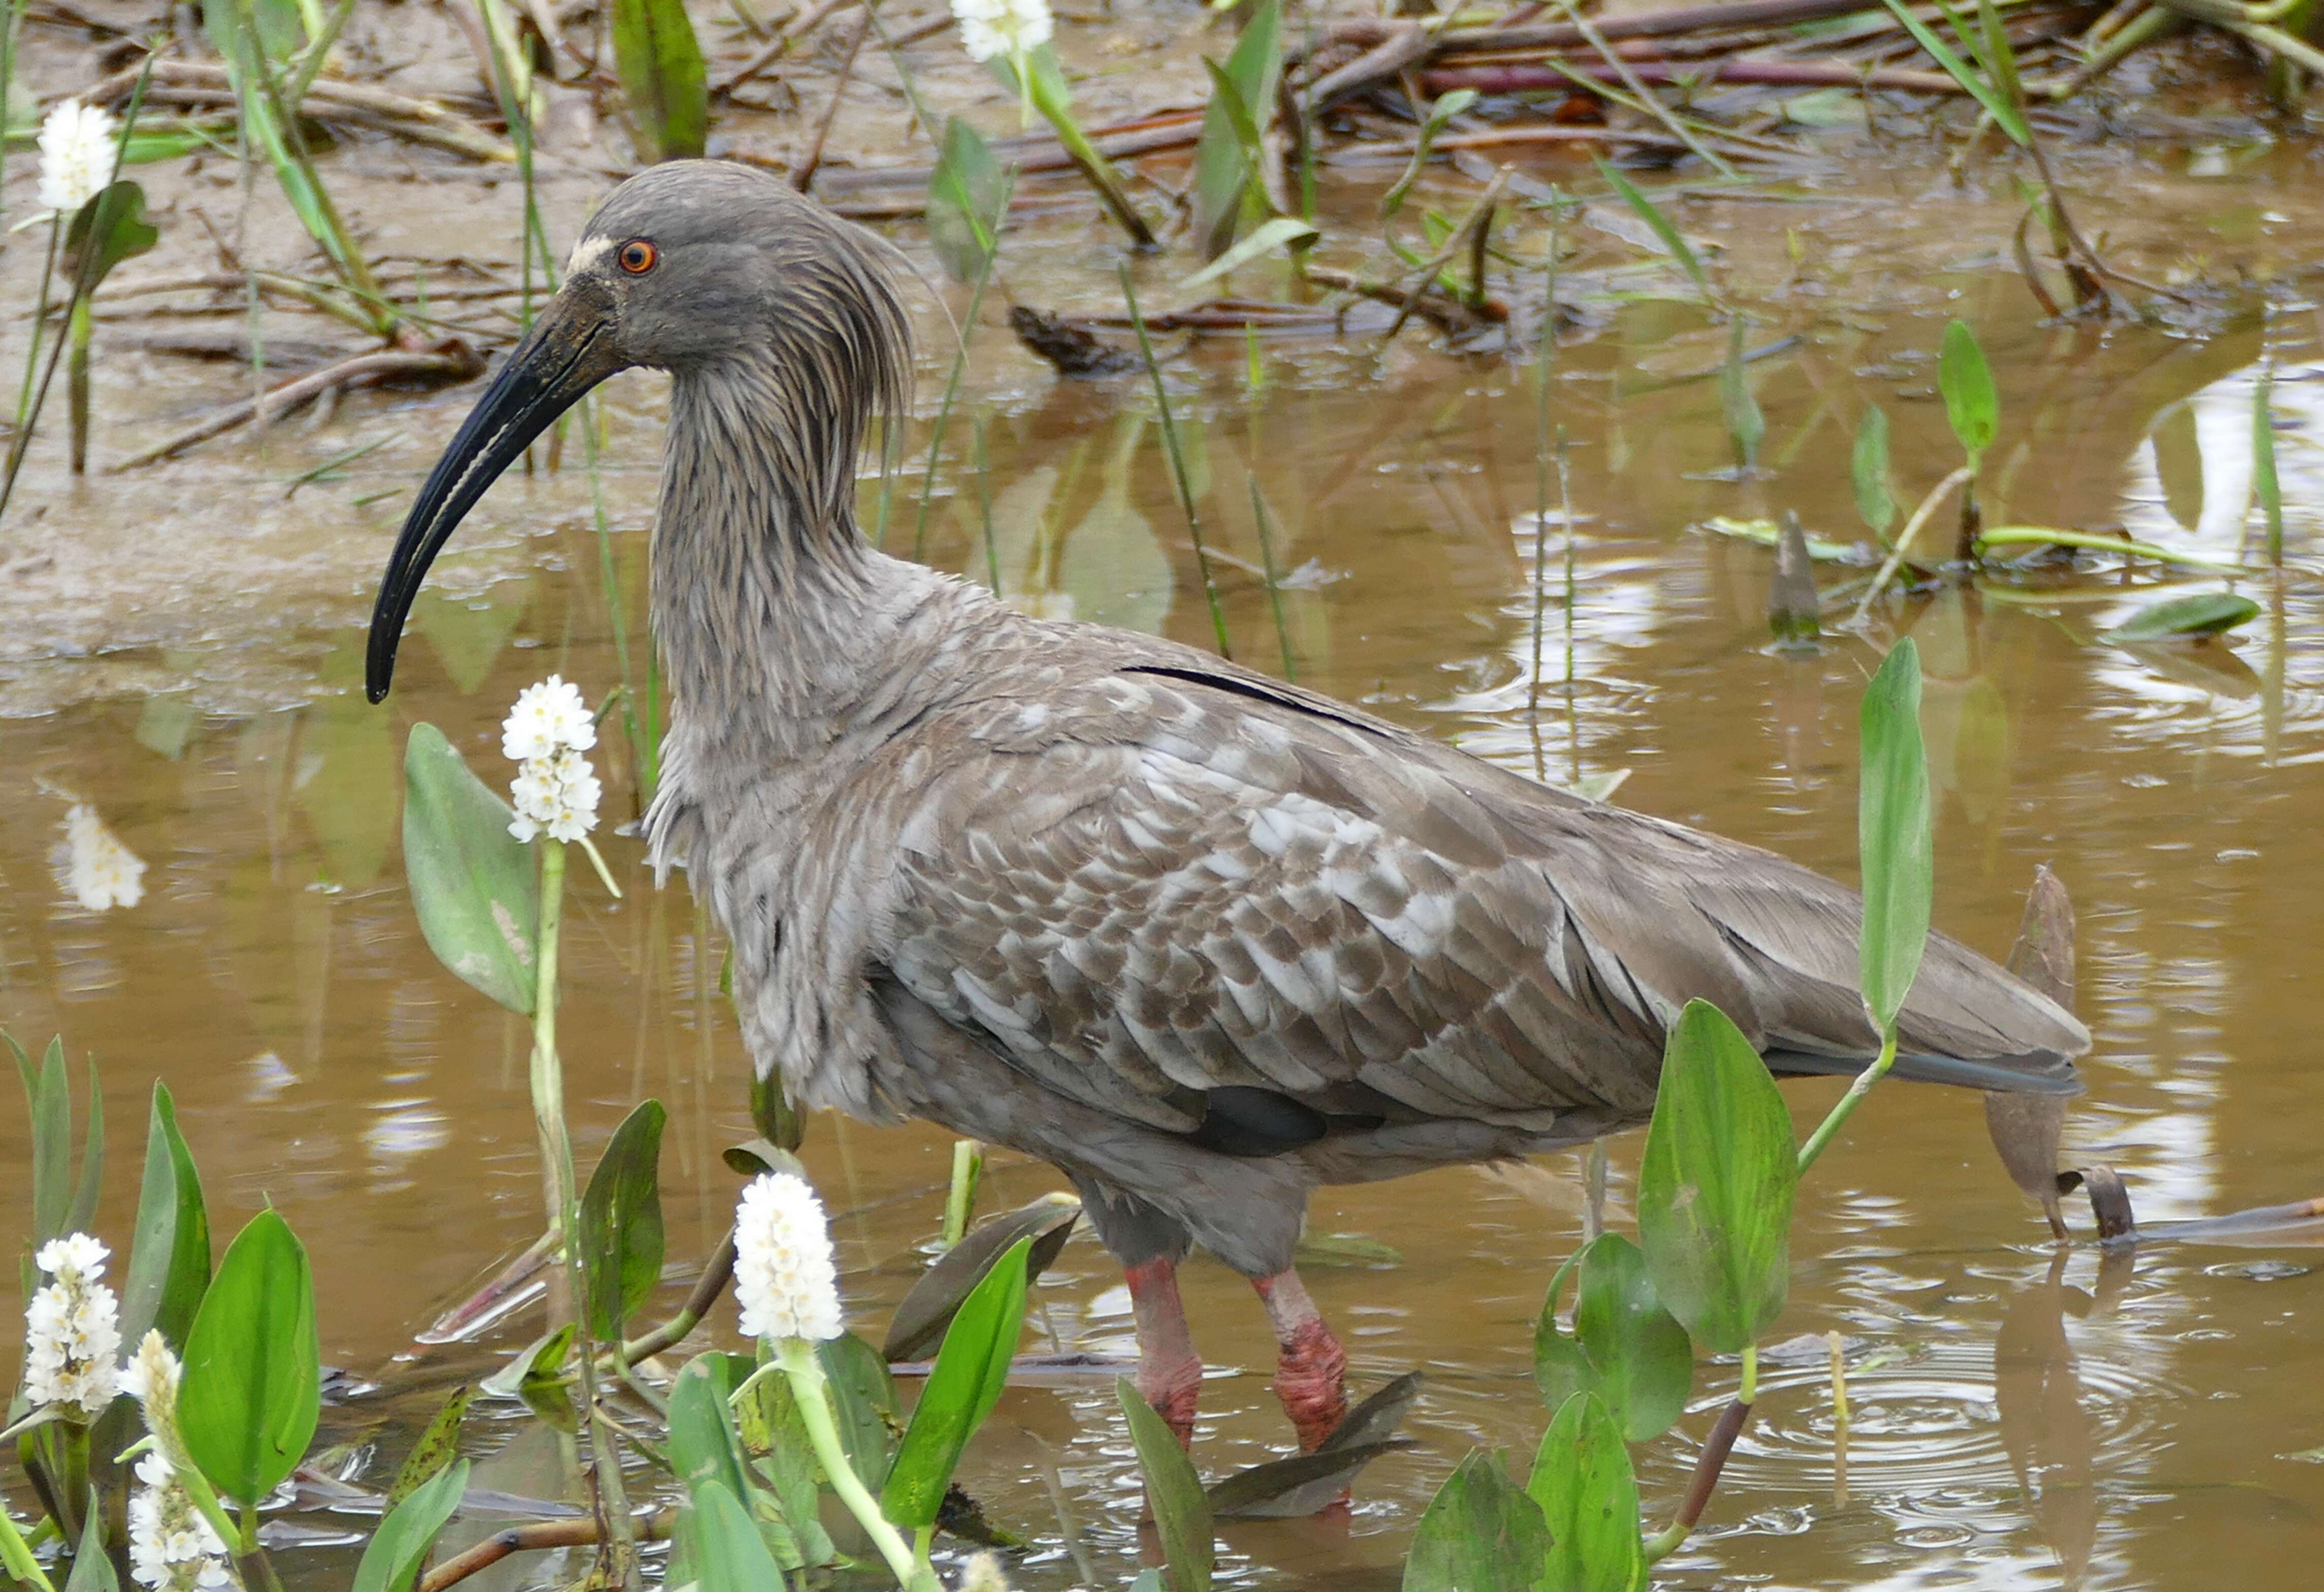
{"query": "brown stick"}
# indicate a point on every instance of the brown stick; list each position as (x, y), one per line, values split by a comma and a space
(580, 1532)
(1644, 25)
(1046, 154)
(455, 362)
(1445, 313)
(1517, 78)
(327, 99)
(805, 174)
(792, 33)
(1391, 55)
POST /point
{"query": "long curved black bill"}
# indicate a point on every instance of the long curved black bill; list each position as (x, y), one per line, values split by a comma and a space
(569, 351)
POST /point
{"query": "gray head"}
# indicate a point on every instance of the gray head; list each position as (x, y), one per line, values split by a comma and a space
(704, 268)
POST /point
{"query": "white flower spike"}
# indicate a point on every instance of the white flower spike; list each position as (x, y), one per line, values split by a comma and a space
(984, 1574)
(548, 718)
(77, 152)
(784, 1273)
(170, 1545)
(98, 871)
(1003, 27)
(72, 1331)
(555, 792)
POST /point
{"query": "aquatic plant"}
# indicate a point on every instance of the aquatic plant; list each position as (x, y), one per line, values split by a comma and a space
(492, 918)
(224, 1428)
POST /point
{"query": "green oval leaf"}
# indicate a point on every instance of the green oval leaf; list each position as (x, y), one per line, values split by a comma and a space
(1223, 186)
(704, 1445)
(621, 1222)
(1972, 403)
(971, 1370)
(968, 193)
(1582, 1479)
(392, 1558)
(1892, 841)
(863, 1398)
(1715, 1184)
(437, 1448)
(48, 1104)
(1480, 1531)
(92, 1567)
(1182, 1510)
(723, 1544)
(107, 230)
(169, 1255)
(2206, 613)
(660, 63)
(919, 1322)
(1625, 1349)
(253, 1368)
(475, 887)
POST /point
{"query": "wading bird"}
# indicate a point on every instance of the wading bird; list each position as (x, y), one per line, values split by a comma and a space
(1200, 939)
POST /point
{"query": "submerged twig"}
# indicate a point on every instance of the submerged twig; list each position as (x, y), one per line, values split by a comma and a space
(580, 1532)
(803, 176)
(453, 361)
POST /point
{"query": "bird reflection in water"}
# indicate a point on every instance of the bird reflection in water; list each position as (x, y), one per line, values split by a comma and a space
(2037, 1388)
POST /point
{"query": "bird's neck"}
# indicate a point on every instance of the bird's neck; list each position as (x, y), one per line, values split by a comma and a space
(773, 614)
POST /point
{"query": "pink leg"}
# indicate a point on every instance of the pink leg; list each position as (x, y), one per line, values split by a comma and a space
(1311, 1367)
(1169, 1371)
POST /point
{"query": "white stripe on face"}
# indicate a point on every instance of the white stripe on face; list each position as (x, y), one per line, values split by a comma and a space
(586, 254)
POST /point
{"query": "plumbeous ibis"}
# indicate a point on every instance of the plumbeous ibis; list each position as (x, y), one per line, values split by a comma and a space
(1200, 939)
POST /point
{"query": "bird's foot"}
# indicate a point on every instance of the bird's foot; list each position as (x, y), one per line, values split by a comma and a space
(1310, 1369)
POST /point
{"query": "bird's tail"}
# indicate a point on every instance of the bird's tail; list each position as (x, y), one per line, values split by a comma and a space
(2041, 1072)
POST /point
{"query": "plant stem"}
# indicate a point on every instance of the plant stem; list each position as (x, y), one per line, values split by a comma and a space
(2264, 482)
(797, 1357)
(2009, 535)
(959, 1200)
(77, 331)
(27, 406)
(1177, 462)
(548, 1070)
(1750, 1392)
(250, 1561)
(1895, 559)
(1274, 574)
(257, 1571)
(944, 405)
(558, 1184)
(1839, 1113)
(1707, 1469)
(707, 1290)
(15, 13)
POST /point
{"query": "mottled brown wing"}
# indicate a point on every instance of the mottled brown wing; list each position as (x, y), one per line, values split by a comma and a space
(1163, 884)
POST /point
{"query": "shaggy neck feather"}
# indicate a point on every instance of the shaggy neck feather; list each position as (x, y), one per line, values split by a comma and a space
(773, 613)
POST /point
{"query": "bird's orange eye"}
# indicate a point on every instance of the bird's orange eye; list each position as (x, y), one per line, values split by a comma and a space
(637, 256)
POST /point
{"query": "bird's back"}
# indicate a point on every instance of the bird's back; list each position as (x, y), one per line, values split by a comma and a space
(1217, 905)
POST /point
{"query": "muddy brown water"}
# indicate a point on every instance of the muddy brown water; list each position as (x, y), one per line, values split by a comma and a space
(183, 655)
